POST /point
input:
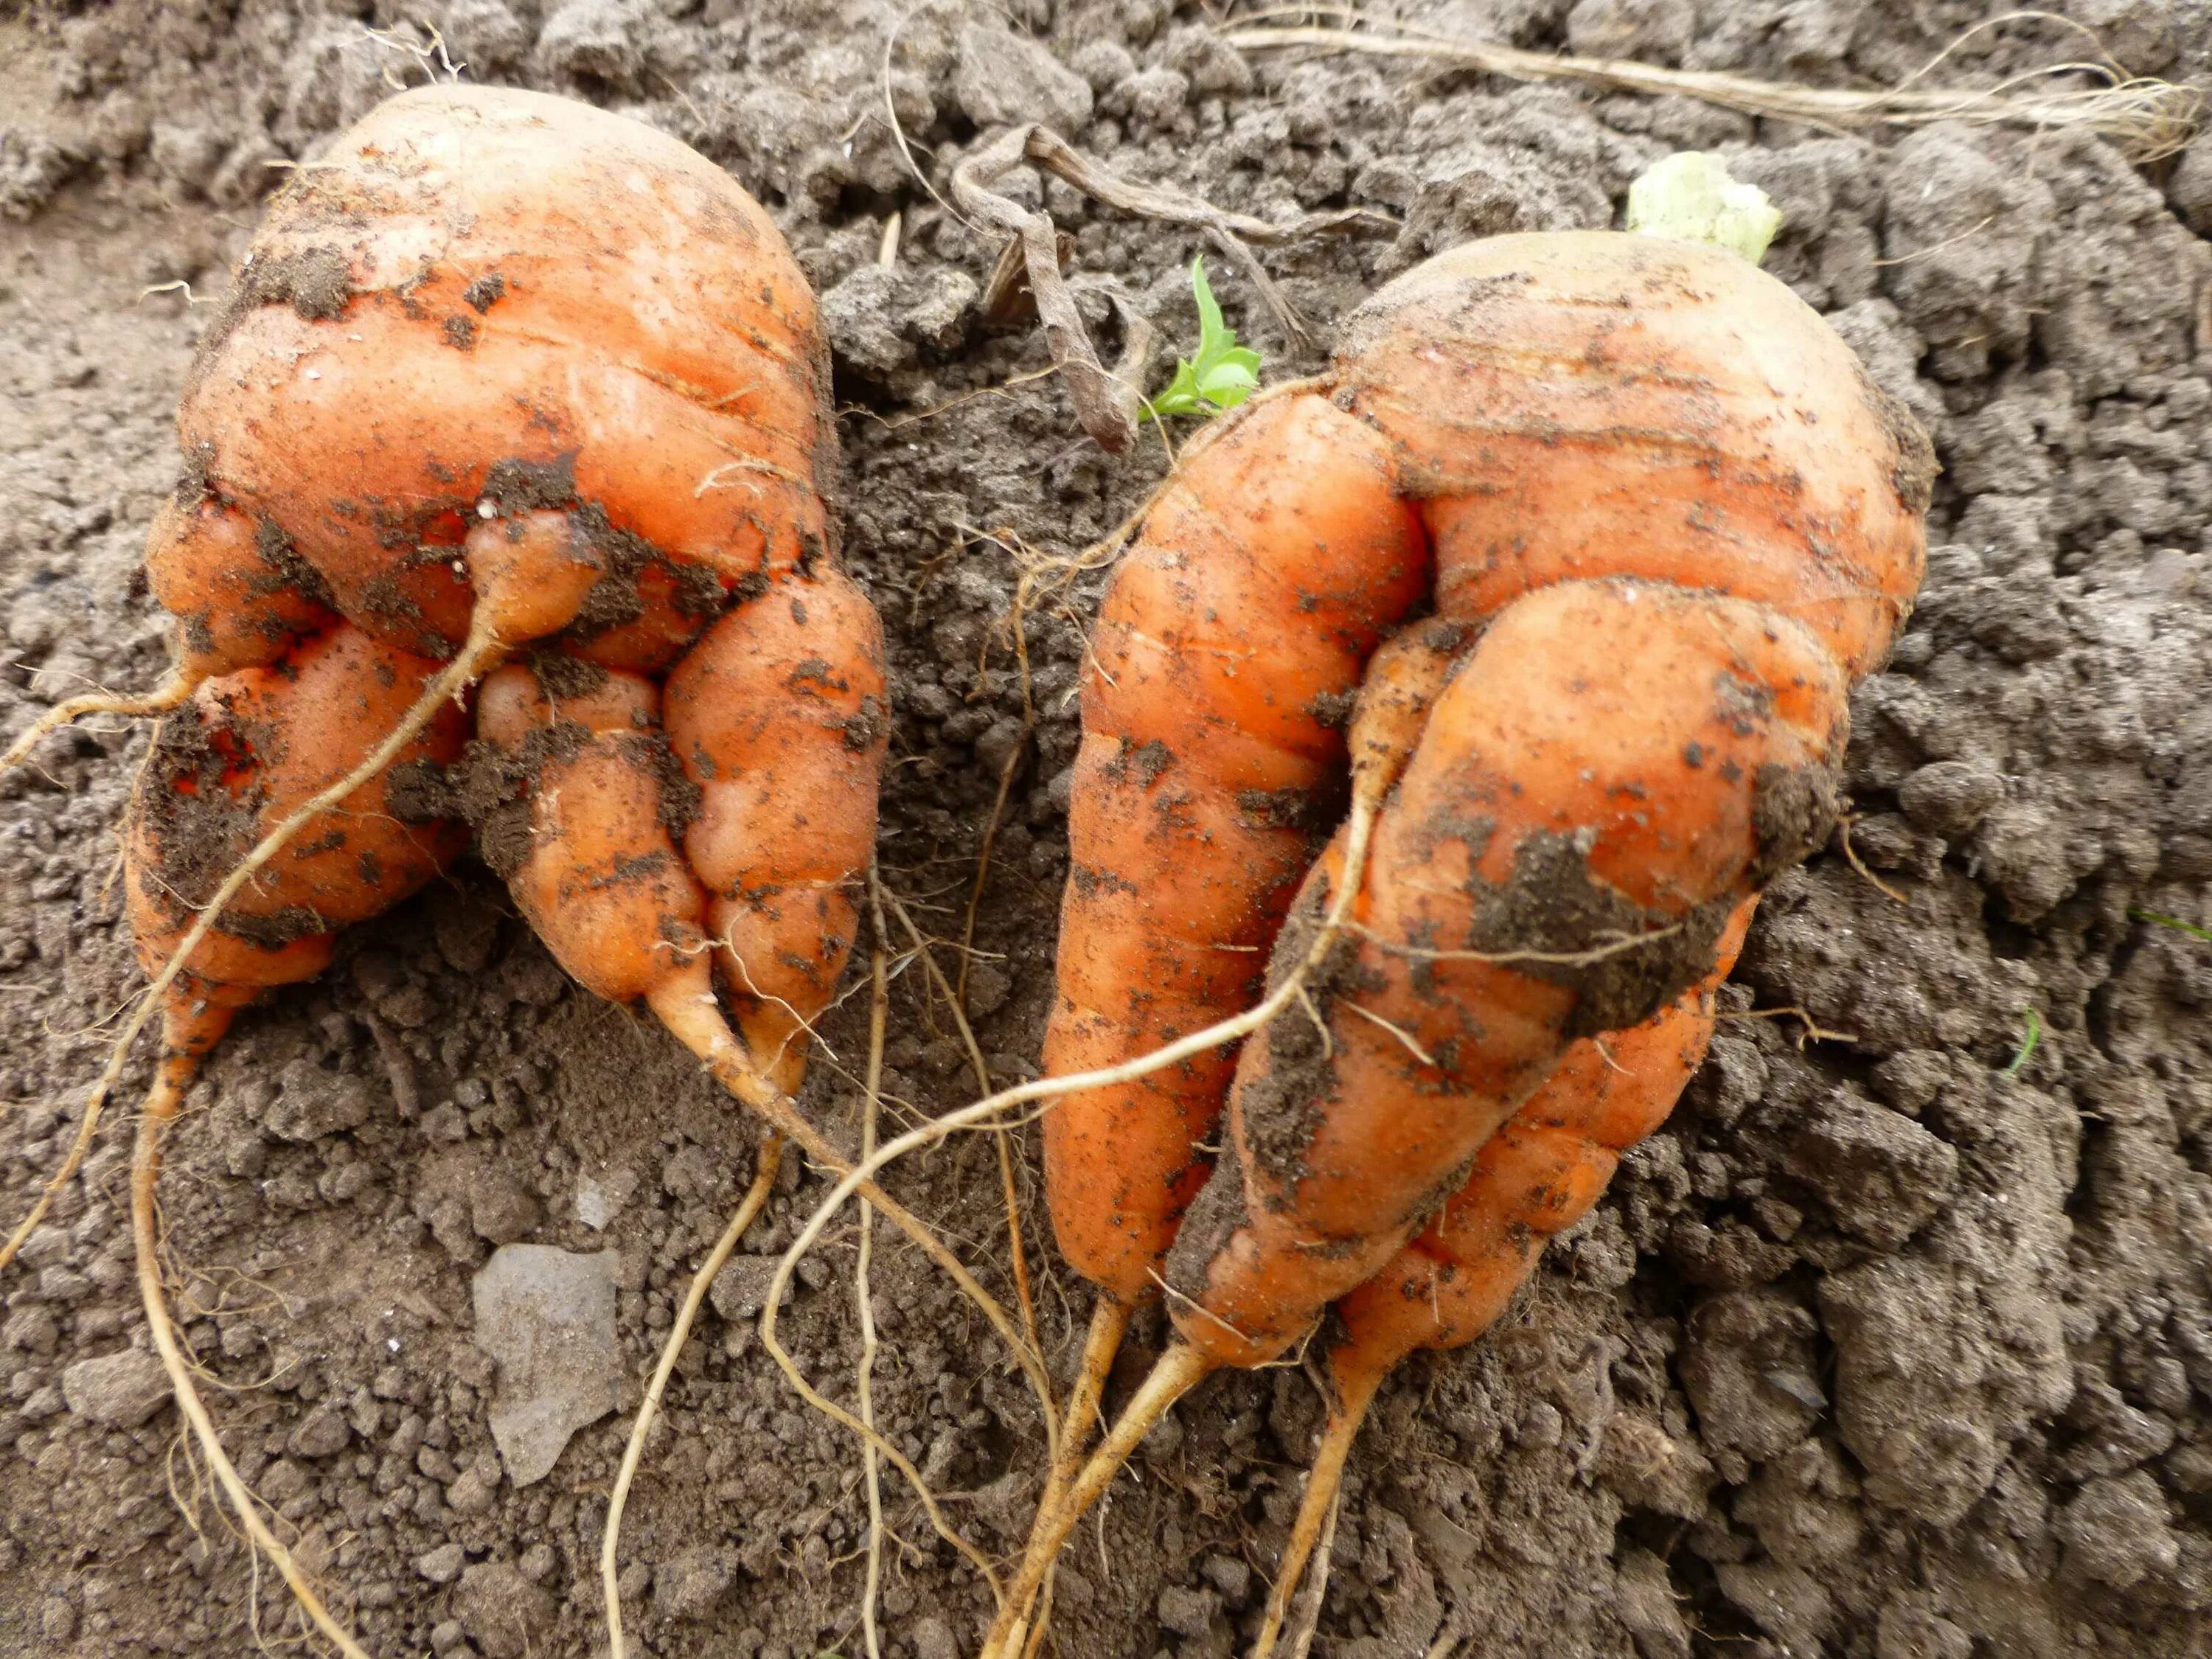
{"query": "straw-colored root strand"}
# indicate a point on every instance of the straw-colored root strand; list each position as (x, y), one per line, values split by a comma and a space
(878, 1019)
(700, 1028)
(87, 1126)
(1179, 1369)
(160, 701)
(451, 682)
(697, 1023)
(1109, 1322)
(1323, 1482)
(161, 1106)
(765, 1163)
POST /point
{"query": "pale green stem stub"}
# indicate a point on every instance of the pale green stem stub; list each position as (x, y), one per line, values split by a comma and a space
(1689, 197)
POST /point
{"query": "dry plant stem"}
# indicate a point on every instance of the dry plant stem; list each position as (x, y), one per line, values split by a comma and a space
(697, 1023)
(880, 1002)
(1317, 1508)
(2148, 118)
(159, 702)
(1107, 404)
(167, 1095)
(1019, 1258)
(1232, 233)
(1179, 1370)
(765, 1163)
(476, 655)
(1106, 414)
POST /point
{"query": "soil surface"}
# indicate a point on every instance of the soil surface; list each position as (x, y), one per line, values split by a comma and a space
(1896, 1343)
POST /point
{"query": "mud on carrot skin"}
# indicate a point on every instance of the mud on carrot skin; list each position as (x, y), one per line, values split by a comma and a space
(1658, 519)
(506, 387)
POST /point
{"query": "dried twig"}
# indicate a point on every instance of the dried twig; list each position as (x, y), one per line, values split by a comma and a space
(2146, 117)
(1107, 402)
(1814, 1031)
(1106, 407)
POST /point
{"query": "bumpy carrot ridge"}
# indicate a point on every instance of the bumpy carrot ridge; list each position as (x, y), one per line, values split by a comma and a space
(1536, 1178)
(1673, 520)
(506, 379)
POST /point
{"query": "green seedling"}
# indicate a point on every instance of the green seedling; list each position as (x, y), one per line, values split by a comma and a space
(2027, 1043)
(2162, 919)
(1223, 374)
(1690, 198)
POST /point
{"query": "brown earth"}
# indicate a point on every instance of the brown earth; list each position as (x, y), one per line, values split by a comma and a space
(1891, 1345)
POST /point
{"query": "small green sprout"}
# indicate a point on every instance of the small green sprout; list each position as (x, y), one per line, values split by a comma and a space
(2028, 1043)
(1223, 374)
(2174, 922)
(1689, 197)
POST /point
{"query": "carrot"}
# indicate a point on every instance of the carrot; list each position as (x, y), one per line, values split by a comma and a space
(779, 717)
(1214, 743)
(256, 748)
(1536, 1176)
(1673, 519)
(505, 372)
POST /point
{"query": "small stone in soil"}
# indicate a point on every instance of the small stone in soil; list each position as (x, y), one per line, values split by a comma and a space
(507, 1616)
(548, 1317)
(322, 1433)
(120, 1390)
(316, 1103)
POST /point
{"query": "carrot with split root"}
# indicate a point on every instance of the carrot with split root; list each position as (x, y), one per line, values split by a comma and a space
(1533, 1179)
(441, 423)
(1673, 520)
(261, 748)
(1213, 746)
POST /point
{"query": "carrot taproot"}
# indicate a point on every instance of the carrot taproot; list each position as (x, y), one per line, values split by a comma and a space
(1213, 748)
(500, 372)
(257, 749)
(1675, 519)
(1538, 1176)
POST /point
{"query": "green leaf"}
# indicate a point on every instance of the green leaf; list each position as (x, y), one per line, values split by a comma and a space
(1232, 379)
(1181, 397)
(1210, 326)
(2035, 1022)
(1222, 375)
(2162, 919)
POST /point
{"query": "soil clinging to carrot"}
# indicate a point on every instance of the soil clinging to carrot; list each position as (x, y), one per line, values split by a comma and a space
(1879, 1347)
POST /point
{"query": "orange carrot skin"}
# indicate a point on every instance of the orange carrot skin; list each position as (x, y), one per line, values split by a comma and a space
(778, 719)
(1562, 798)
(507, 368)
(1536, 1178)
(1584, 404)
(241, 595)
(250, 748)
(487, 299)
(1213, 742)
(1619, 754)
(598, 876)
